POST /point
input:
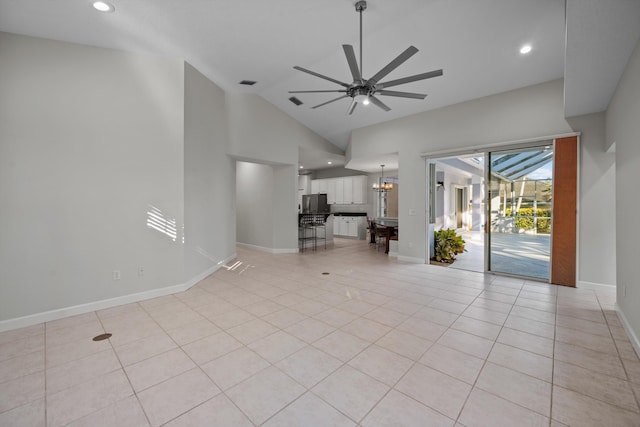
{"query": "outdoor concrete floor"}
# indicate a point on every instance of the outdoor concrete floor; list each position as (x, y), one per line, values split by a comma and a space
(519, 254)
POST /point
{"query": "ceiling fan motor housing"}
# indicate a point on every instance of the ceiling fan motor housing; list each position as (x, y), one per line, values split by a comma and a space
(361, 6)
(365, 90)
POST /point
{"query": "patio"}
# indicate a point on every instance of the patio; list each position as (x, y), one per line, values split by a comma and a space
(511, 253)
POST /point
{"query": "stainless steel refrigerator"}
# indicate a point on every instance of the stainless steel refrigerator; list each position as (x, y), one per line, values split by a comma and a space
(315, 203)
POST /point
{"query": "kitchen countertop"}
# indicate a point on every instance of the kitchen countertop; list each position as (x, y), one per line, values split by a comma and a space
(349, 213)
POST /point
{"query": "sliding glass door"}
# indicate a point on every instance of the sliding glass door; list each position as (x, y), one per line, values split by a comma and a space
(520, 193)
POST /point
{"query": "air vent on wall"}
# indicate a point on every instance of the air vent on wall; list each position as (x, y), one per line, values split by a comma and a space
(295, 100)
(247, 82)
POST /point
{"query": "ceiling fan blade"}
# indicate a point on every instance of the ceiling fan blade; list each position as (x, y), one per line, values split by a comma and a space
(315, 91)
(379, 103)
(313, 73)
(352, 106)
(329, 102)
(353, 63)
(423, 76)
(408, 53)
(401, 94)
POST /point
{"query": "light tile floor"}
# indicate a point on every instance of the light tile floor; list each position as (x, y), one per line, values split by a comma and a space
(375, 342)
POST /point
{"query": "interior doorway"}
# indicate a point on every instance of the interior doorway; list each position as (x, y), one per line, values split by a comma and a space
(459, 206)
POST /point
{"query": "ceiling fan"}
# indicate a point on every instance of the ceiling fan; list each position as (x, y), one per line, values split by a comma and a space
(364, 90)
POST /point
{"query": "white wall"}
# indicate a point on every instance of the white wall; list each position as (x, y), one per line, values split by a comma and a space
(90, 140)
(255, 185)
(597, 227)
(623, 129)
(337, 172)
(209, 177)
(531, 112)
(260, 131)
(451, 179)
(285, 209)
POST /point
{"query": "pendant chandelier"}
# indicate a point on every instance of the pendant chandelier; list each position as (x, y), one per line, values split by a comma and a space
(381, 186)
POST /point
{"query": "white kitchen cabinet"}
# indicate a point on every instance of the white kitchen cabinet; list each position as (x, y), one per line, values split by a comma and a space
(331, 191)
(347, 185)
(342, 191)
(359, 189)
(346, 226)
(352, 227)
(323, 185)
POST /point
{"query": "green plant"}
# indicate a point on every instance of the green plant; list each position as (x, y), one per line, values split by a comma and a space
(524, 219)
(447, 245)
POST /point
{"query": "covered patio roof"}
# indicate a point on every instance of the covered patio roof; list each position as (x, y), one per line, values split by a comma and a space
(515, 165)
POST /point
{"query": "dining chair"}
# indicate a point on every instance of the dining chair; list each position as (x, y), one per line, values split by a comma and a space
(381, 236)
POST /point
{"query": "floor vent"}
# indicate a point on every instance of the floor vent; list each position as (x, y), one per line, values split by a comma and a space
(102, 337)
(248, 82)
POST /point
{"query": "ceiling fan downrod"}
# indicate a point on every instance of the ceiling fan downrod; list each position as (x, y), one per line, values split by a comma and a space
(361, 6)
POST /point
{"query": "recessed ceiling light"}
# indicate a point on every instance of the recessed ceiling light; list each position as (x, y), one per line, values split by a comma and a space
(329, 163)
(103, 6)
(301, 167)
(525, 49)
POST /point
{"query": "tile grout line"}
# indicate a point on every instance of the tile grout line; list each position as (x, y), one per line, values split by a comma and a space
(113, 349)
(197, 366)
(416, 362)
(309, 390)
(486, 359)
(615, 343)
(553, 361)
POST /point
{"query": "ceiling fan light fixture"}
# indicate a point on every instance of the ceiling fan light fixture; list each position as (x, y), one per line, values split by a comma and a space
(525, 49)
(102, 6)
(362, 99)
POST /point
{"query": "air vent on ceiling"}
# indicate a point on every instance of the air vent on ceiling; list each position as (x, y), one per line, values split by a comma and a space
(295, 100)
(248, 82)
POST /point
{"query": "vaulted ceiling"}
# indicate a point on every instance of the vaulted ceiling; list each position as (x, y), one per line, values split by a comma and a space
(475, 42)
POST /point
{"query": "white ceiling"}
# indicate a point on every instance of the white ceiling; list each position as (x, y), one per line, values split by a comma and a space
(600, 38)
(475, 42)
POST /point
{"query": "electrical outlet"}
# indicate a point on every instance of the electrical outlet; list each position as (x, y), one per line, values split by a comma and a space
(410, 244)
(412, 212)
(140, 271)
(115, 274)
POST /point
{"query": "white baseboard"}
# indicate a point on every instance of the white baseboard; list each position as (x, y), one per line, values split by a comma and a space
(594, 286)
(268, 250)
(209, 271)
(285, 251)
(48, 316)
(627, 327)
(410, 259)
